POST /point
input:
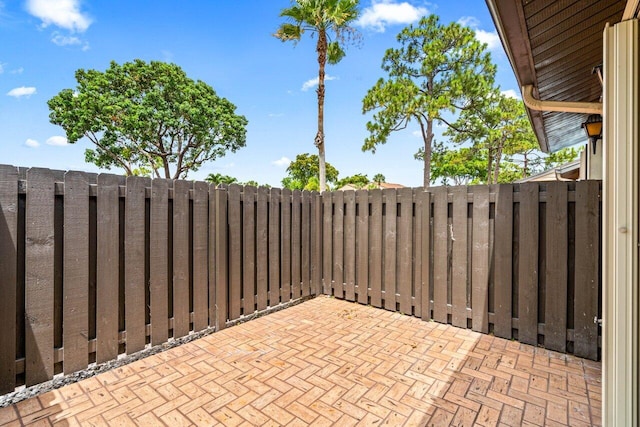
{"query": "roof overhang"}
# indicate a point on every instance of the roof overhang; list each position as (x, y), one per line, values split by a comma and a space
(554, 45)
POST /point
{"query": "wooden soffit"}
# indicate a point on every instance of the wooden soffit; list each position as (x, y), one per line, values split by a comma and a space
(554, 46)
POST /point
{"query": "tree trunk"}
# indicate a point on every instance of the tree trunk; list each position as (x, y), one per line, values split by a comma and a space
(319, 140)
(427, 136)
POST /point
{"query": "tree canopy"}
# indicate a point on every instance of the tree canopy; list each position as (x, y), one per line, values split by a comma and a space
(330, 21)
(358, 180)
(303, 173)
(148, 118)
(437, 71)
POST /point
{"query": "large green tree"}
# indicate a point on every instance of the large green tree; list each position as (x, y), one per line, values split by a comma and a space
(330, 21)
(148, 118)
(436, 72)
(496, 129)
(461, 166)
(303, 173)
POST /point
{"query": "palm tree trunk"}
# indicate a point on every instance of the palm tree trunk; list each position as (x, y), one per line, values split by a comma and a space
(321, 48)
(427, 136)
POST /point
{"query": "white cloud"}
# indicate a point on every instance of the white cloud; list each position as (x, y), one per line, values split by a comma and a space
(32, 143)
(275, 115)
(390, 12)
(22, 91)
(17, 71)
(314, 82)
(417, 134)
(1, 68)
(58, 141)
(281, 162)
(61, 13)
(511, 93)
(62, 40)
(491, 38)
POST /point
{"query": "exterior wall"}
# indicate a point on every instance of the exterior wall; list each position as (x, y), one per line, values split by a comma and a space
(620, 223)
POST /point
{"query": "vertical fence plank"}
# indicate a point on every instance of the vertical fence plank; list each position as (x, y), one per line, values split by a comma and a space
(285, 247)
(586, 269)
(316, 244)
(262, 248)
(8, 275)
(311, 241)
(425, 260)
(528, 264)
(555, 327)
(350, 245)
(134, 248)
(200, 244)
(440, 254)
(338, 244)
(390, 247)
(107, 268)
(375, 249)
(249, 251)
(39, 277)
(76, 272)
(416, 282)
(221, 259)
(327, 243)
(159, 261)
(404, 249)
(296, 244)
(235, 251)
(213, 256)
(503, 249)
(180, 258)
(362, 246)
(480, 260)
(459, 258)
(274, 247)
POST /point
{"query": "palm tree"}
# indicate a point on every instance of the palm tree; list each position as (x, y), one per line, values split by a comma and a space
(329, 20)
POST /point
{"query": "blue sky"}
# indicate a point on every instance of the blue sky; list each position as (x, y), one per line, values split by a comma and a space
(229, 45)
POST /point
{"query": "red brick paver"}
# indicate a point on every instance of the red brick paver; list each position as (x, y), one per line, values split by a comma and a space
(330, 362)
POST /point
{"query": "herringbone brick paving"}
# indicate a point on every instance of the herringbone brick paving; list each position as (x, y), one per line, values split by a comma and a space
(331, 362)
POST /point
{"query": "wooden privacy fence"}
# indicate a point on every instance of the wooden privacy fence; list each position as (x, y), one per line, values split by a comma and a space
(92, 266)
(519, 261)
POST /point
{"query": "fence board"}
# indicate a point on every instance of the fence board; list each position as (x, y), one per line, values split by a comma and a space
(528, 264)
(107, 268)
(311, 241)
(440, 254)
(362, 246)
(249, 251)
(221, 266)
(424, 197)
(274, 247)
(390, 248)
(375, 249)
(134, 248)
(316, 244)
(480, 260)
(8, 275)
(296, 243)
(181, 258)
(350, 245)
(404, 249)
(416, 266)
(76, 272)
(39, 277)
(459, 258)
(262, 248)
(586, 270)
(327, 243)
(285, 247)
(337, 281)
(503, 262)
(213, 256)
(159, 261)
(555, 330)
(200, 244)
(235, 251)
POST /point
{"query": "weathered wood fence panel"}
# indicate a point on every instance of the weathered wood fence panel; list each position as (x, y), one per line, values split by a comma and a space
(92, 266)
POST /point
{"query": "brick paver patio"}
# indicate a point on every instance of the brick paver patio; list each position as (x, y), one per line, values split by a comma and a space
(331, 362)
